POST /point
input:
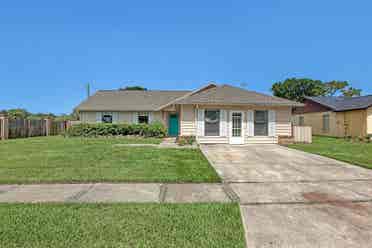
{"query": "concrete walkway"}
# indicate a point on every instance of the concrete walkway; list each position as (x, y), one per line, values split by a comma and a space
(290, 198)
(128, 192)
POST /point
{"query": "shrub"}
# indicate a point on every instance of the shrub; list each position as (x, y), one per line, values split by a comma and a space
(186, 140)
(155, 129)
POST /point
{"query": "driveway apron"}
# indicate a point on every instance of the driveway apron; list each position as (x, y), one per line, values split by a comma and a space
(291, 198)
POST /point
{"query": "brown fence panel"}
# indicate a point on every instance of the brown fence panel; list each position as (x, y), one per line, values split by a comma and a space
(36, 128)
(58, 127)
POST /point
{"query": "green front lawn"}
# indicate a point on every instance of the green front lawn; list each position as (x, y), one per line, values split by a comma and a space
(58, 159)
(120, 225)
(357, 153)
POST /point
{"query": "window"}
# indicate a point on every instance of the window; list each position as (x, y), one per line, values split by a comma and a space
(212, 123)
(143, 117)
(236, 124)
(301, 121)
(326, 123)
(261, 124)
(106, 117)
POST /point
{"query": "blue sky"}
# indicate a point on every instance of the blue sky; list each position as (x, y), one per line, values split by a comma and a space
(49, 50)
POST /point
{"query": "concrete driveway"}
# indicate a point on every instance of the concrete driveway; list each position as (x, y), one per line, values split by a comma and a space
(290, 198)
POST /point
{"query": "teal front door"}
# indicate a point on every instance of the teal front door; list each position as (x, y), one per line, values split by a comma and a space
(173, 125)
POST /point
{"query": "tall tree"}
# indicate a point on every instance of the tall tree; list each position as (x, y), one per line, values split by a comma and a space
(297, 88)
(135, 87)
(334, 87)
(351, 91)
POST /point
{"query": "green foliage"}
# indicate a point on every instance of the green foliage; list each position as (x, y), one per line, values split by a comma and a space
(18, 113)
(186, 140)
(155, 129)
(296, 89)
(351, 92)
(136, 87)
(334, 87)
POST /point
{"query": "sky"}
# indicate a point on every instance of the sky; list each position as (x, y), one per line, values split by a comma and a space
(50, 50)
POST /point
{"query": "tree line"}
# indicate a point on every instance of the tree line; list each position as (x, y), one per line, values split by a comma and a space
(297, 89)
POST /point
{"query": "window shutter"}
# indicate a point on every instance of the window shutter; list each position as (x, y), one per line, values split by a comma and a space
(135, 117)
(115, 117)
(200, 131)
(272, 123)
(99, 117)
(223, 123)
(250, 123)
(150, 117)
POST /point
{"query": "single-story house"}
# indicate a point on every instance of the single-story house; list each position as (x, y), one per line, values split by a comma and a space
(337, 116)
(213, 113)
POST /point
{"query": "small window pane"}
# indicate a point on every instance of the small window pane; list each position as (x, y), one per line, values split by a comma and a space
(237, 124)
(107, 118)
(143, 117)
(212, 122)
(326, 123)
(301, 121)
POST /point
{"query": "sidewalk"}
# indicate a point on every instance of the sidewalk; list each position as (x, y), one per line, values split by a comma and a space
(121, 192)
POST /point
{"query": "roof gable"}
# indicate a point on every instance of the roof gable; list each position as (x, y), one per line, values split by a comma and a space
(226, 94)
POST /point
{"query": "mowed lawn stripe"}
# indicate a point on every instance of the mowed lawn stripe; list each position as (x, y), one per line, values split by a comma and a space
(357, 153)
(120, 225)
(63, 160)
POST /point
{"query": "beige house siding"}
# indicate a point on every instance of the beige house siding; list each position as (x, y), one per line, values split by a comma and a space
(341, 124)
(315, 120)
(369, 121)
(88, 117)
(356, 122)
(283, 122)
(187, 117)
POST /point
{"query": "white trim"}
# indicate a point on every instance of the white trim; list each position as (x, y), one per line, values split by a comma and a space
(223, 122)
(272, 123)
(200, 123)
(135, 117)
(236, 140)
(99, 117)
(250, 123)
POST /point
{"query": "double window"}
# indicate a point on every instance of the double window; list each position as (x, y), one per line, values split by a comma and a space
(212, 122)
(143, 117)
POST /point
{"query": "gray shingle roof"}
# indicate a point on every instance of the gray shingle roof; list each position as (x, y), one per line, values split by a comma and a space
(226, 94)
(342, 103)
(129, 100)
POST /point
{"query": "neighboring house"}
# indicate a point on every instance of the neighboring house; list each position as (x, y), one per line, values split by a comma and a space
(214, 113)
(337, 116)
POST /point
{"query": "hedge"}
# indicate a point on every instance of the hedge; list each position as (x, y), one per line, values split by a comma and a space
(155, 129)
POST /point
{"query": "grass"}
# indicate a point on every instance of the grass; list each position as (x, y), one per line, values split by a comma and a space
(68, 160)
(357, 153)
(120, 225)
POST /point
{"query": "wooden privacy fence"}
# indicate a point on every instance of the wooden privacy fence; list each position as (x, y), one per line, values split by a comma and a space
(23, 128)
(302, 134)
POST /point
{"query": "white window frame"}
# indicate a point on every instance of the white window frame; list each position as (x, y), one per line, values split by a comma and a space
(147, 114)
(107, 113)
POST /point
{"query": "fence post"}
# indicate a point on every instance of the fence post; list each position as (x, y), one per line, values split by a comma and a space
(4, 127)
(48, 126)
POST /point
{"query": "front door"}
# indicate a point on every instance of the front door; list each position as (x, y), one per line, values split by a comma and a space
(236, 127)
(173, 125)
